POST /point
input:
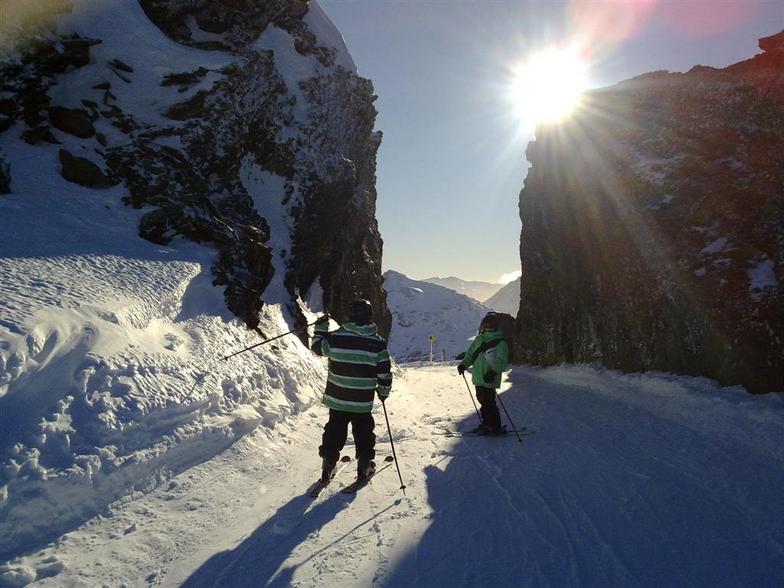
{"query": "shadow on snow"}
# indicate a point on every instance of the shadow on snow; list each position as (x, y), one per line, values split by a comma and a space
(256, 561)
(607, 495)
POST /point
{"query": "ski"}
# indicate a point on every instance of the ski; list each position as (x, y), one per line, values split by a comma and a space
(320, 485)
(509, 432)
(357, 484)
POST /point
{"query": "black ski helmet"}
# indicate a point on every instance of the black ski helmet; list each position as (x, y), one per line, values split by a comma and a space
(360, 311)
(489, 322)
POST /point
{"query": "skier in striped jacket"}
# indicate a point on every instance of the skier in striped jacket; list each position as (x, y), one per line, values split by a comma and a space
(359, 369)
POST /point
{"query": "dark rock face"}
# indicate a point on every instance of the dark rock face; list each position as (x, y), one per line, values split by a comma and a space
(5, 175)
(312, 136)
(83, 171)
(337, 233)
(653, 227)
(74, 121)
(238, 22)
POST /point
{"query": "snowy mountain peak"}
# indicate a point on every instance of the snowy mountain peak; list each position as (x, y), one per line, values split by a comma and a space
(420, 310)
(507, 299)
(477, 290)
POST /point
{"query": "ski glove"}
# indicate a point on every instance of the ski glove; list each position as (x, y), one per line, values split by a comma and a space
(461, 369)
(490, 376)
(381, 397)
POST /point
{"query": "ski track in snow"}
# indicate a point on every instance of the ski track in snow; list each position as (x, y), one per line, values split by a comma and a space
(629, 480)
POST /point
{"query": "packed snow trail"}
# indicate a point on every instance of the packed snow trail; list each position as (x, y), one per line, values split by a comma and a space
(629, 480)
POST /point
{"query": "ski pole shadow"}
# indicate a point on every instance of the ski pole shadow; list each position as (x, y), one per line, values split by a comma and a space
(477, 525)
(255, 561)
(286, 575)
(461, 547)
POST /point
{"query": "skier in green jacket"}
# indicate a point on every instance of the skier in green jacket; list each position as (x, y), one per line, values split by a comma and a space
(489, 354)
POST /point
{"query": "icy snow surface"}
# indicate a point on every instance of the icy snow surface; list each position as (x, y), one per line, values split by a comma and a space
(629, 480)
(329, 35)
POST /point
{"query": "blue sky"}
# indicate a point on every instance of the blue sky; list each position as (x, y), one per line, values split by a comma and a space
(452, 161)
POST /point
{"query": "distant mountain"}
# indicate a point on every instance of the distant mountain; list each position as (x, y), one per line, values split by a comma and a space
(507, 299)
(420, 309)
(480, 291)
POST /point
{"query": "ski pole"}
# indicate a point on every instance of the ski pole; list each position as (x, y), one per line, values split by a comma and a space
(472, 399)
(501, 402)
(392, 443)
(270, 339)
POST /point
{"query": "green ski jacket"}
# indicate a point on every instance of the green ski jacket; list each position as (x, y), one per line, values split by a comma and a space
(488, 352)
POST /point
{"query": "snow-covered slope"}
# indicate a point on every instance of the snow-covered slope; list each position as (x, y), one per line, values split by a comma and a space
(628, 480)
(420, 309)
(479, 291)
(110, 374)
(507, 299)
(104, 340)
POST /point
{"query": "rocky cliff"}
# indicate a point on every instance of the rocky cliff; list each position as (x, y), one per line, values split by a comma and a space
(653, 227)
(242, 125)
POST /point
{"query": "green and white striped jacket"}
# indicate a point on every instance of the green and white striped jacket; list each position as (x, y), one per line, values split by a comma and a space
(359, 365)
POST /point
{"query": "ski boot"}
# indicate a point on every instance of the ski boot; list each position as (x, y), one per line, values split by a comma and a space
(481, 429)
(327, 470)
(495, 431)
(365, 469)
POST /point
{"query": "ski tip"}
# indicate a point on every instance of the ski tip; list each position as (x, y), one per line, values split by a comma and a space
(345, 458)
(389, 458)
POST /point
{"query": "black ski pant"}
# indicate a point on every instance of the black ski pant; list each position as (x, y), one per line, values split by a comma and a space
(336, 433)
(487, 407)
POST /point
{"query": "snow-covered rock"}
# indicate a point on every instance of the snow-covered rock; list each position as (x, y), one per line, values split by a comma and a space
(242, 126)
(479, 291)
(165, 188)
(420, 309)
(507, 299)
(654, 227)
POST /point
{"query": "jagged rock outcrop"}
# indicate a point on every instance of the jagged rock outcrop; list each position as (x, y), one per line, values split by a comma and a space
(5, 176)
(75, 121)
(261, 147)
(653, 227)
(232, 25)
(82, 171)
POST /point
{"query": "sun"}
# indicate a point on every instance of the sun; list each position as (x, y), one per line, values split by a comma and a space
(547, 87)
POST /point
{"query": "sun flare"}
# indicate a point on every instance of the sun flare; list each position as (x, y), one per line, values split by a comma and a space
(547, 88)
